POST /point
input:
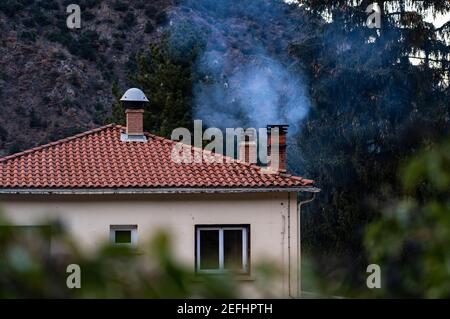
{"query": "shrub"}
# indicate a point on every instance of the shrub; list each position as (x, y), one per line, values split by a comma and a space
(151, 12)
(130, 18)
(89, 3)
(15, 148)
(161, 17)
(10, 7)
(28, 23)
(40, 18)
(120, 6)
(98, 106)
(70, 131)
(26, 3)
(96, 85)
(20, 110)
(49, 5)
(128, 22)
(59, 55)
(36, 121)
(28, 36)
(88, 16)
(149, 28)
(65, 38)
(140, 5)
(119, 35)
(3, 134)
(99, 118)
(131, 64)
(46, 99)
(103, 42)
(86, 46)
(118, 45)
(75, 80)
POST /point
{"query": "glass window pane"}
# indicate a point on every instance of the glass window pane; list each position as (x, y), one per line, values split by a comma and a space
(123, 236)
(209, 249)
(232, 242)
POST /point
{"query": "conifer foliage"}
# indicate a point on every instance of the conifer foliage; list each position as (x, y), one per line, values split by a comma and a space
(373, 107)
(167, 80)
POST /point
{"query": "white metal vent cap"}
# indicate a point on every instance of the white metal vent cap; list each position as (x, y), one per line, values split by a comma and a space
(134, 95)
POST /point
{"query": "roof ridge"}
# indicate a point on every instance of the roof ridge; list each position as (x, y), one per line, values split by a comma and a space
(63, 140)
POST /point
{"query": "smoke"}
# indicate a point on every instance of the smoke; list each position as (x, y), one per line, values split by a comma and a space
(259, 92)
(244, 76)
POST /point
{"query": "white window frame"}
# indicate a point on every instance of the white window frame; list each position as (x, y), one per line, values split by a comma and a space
(221, 269)
(134, 234)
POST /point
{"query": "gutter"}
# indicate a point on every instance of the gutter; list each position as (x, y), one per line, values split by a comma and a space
(299, 274)
(109, 191)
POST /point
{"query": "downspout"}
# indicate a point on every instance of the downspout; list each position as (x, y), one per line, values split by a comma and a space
(299, 250)
(289, 245)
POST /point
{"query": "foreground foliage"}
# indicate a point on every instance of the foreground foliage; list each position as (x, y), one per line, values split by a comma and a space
(30, 269)
(373, 108)
(411, 241)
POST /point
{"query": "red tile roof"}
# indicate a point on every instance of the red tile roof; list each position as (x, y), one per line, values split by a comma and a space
(99, 159)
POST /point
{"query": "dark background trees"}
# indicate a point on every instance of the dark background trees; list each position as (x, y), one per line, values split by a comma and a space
(372, 109)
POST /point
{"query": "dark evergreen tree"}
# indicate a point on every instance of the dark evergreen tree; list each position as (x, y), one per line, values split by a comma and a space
(372, 108)
(165, 76)
(168, 85)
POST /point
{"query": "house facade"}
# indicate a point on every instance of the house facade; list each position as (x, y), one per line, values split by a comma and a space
(120, 184)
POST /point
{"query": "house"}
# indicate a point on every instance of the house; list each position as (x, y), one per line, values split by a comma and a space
(120, 184)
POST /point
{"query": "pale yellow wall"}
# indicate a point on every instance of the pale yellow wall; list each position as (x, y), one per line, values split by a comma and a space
(272, 219)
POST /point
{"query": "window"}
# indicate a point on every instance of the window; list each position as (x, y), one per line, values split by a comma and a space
(123, 235)
(222, 249)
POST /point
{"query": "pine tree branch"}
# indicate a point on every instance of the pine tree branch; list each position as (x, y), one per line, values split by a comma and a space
(445, 25)
(428, 59)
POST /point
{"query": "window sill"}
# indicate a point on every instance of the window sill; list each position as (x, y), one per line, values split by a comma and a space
(236, 277)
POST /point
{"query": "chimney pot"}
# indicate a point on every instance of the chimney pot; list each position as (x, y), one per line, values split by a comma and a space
(134, 101)
(247, 147)
(276, 147)
(133, 97)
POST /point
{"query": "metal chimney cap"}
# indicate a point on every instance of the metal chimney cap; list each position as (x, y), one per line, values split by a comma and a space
(134, 95)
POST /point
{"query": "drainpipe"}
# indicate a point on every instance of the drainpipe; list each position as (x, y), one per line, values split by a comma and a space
(299, 208)
(289, 246)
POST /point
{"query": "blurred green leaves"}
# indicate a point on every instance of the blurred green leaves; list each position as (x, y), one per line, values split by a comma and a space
(432, 166)
(411, 241)
(30, 268)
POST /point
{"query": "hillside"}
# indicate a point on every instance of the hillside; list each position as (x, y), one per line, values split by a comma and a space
(54, 81)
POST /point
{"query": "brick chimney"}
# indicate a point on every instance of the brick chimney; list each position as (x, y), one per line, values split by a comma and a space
(247, 147)
(276, 147)
(135, 121)
(134, 101)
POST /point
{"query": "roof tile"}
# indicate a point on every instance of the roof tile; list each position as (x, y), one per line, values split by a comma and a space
(99, 159)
